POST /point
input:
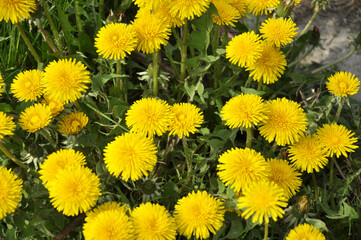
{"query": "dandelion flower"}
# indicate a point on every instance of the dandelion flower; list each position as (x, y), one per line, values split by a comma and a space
(240, 5)
(115, 40)
(74, 190)
(28, 85)
(186, 118)
(278, 31)
(307, 154)
(2, 84)
(35, 117)
(240, 167)
(107, 222)
(305, 232)
(188, 8)
(286, 122)
(262, 200)
(150, 116)
(7, 125)
(244, 110)
(337, 139)
(151, 4)
(163, 11)
(297, 2)
(16, 11)
(10, 191)
(152, 222)
(73, 123)
(130, 155)
(259, 7)
(285, 176)
(343, 84)
(198, 214)
(152, 31)
(244, 49)
(59, 160)
(228, 14)
(269, 66)
(55, 106)
(65, 79)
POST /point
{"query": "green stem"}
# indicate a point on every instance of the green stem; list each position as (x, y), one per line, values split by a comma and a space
(47, 136)
(299, 59)
(335, 62)
(77, 16)
(155, 73)
(256, 24)
(330, 184)
(119, 81)
(172, 64)
(217, 64)
(271, 151)
(249, 137)
(184, 53)
(248, 82)
(315, 186)
(189, 163)
(265, 231)
(339, 109)
(259, 87)
(17, 161)
(27, 42)
(101, 8)
(317, 9)
(52, 25)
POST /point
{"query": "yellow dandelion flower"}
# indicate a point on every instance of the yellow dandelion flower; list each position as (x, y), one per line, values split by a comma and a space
(262, 200)
(152, 31)
(130, 155)
(343, 84)
(305, 231)
(228, 14)
(150, 116)
(307, 154)
(116, 40)
(198, 214)
(188, 8)
(337, 139)
(297, 2)
(163, 11)
(59, 160)
(72, 123)
(10, 191)
(2, 84)
(285, 176)
(244, 49)
(28, 85)
(186, 118)
(74, 190)
(107, 222)
(151, 4)
(269, 66)
(278, 31)
(240, 5)
(240, 167)
(259, 7)
(16, 11)
(55, 106)
(35, 117)
(244, 110)
(7, 125)
(286, 122)
(153, 222)
(65, 79)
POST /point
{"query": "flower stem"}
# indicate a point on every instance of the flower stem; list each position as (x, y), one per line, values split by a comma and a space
(155, 73)
(256, 24)
(330, 184)
(52, 25)
(27, 42)
(259, 87)
(101, 8)
(189, 163)
(172, 64)
(317, 9)
(17, 161)
(271, 151)
(265, 231)
(119, 81)
(77, 16)
(315, 186)
(249, 137)
(184, 53)
(47, 136)
(248, 82)
(317, 70)
(299, 59)
(216, 64)
(338, 113)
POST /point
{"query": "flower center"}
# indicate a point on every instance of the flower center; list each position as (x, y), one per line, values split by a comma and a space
(180, 117)
(335, 141)
(34, 119)
(75, 124)
(27, 84)
(342, 86)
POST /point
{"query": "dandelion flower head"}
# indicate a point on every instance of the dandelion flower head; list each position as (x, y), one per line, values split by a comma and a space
(107, 222)
(188, 8)
(16, 11)
(130, 155)
(65, 79)
(286, 122)
(10, 191)
(343, 84)
(35, 117)
(285, 176)
(262, 200)
(259, 7)
(59, 160)
(305, 232)
(149, 116)
(278, 31)
(152, 222)
(186, 118)
(151, 4)
(2, 84)
(270, 66)
(244, 49)
(240, 5)
(244, 110)
(307, 154)
(337, 139)
(228, 14)
(7, 125)
(74, 190)
(198, 214)
(55, 105)
(28, 85)
(240, 167)
(163, 12)
(116, 40)
(73, 123)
